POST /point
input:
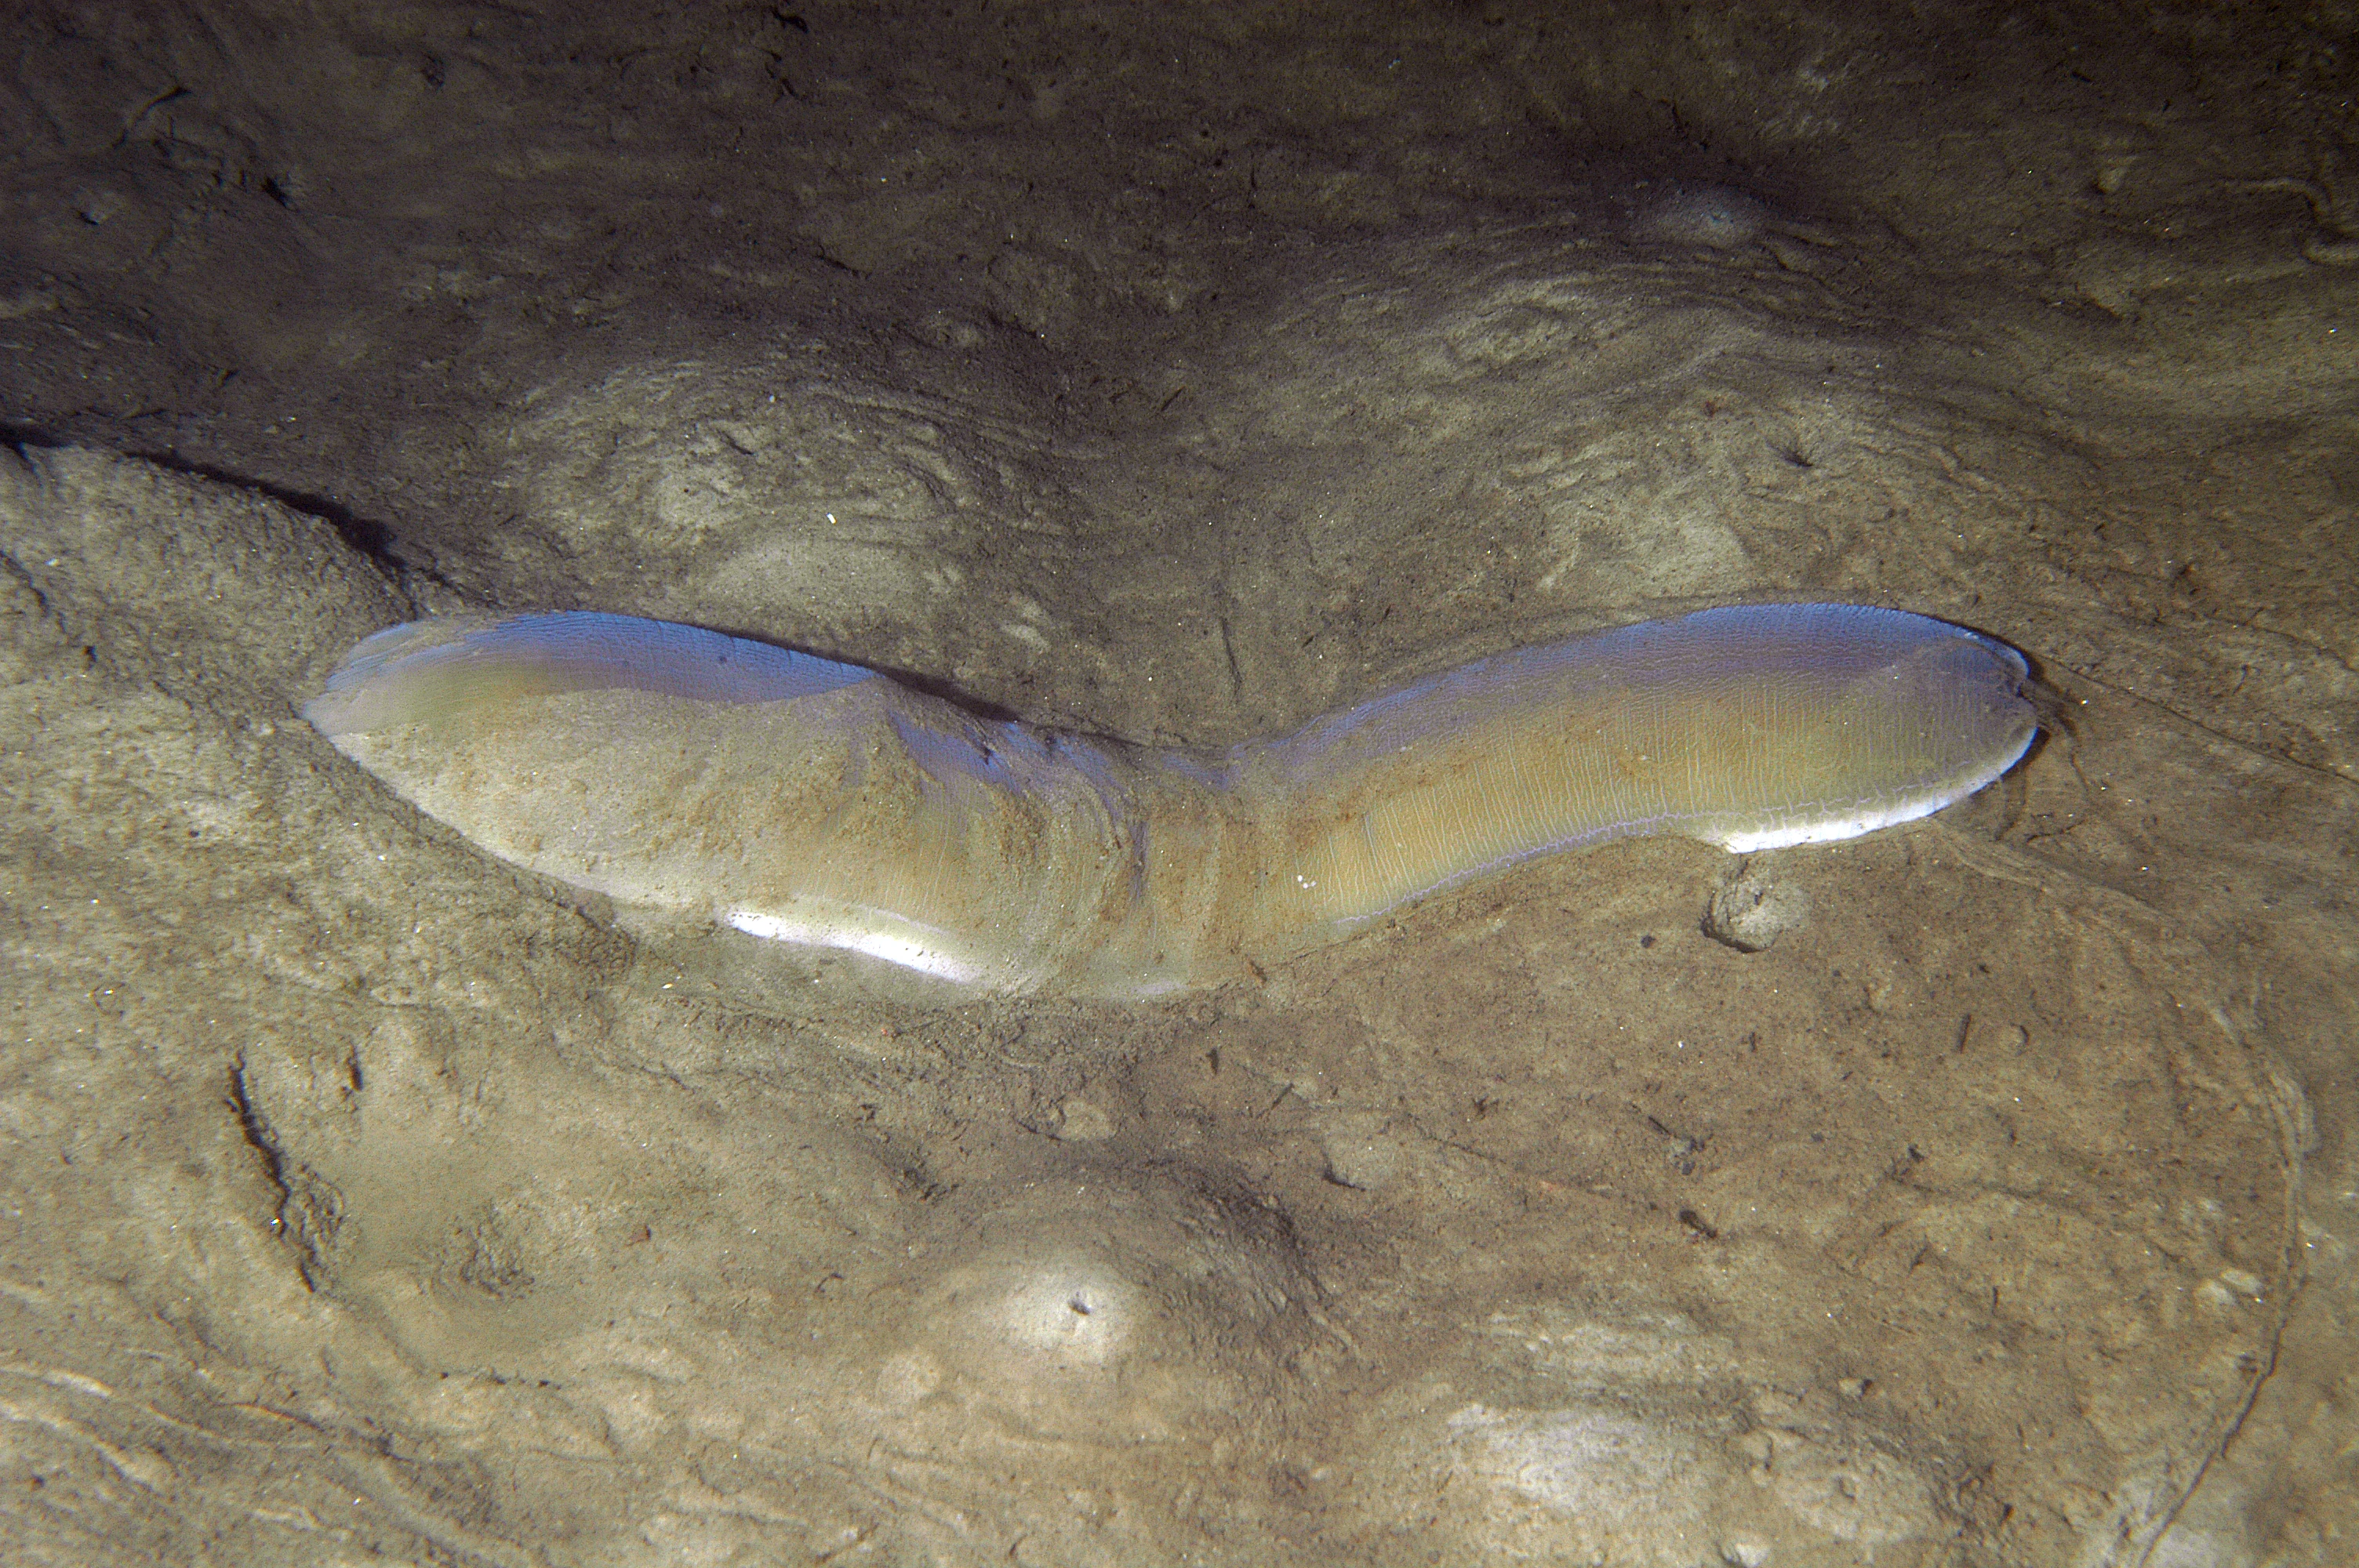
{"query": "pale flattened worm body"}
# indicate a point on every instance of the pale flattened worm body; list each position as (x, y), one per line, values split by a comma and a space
(827, 806)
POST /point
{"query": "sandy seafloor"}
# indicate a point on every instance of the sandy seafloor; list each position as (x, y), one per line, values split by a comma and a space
(1178, 371)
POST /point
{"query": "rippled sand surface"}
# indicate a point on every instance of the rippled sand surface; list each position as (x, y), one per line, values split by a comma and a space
(1974, 1192)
